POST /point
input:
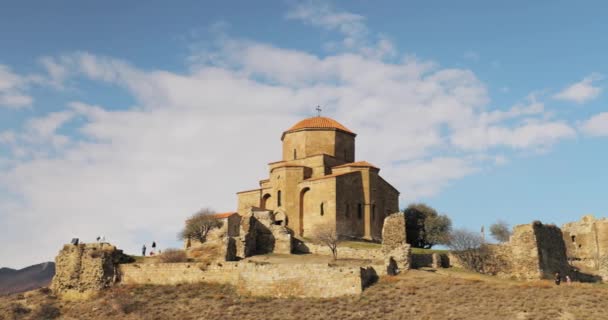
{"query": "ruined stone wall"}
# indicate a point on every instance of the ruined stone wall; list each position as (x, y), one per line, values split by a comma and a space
(303, 280)
(345, 252)
(86, 268)
(587, 244)
(175, 273)
(396, 251)
(274, 280)
(260, 234)
(534, 251)
(551, 250)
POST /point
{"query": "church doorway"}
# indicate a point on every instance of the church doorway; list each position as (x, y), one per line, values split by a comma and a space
(265, 201)
(303, 207)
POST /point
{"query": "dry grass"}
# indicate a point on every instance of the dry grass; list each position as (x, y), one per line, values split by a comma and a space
(173, 255)
(414, 295)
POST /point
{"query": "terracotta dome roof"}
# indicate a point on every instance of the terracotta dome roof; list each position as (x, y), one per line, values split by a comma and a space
(318, 123)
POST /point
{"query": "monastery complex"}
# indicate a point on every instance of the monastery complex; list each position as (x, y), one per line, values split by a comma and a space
(318, 182)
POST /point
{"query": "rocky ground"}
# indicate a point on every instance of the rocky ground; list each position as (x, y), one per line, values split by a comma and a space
(417, 294)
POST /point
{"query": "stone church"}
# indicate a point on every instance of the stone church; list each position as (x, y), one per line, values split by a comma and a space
(318, 182)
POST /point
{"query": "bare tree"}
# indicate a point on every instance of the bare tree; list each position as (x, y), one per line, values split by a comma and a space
(199, 224)
(468, 247)
(500, 231)
(327, 236)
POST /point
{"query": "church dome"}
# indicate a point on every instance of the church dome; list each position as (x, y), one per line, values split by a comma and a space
(318, 123)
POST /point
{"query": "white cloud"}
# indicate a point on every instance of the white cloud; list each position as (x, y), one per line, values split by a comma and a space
(582, 91)
(352, 27)
(11, 89)
(528, 135)
(195, 138)
(596, 125)
(7, 137)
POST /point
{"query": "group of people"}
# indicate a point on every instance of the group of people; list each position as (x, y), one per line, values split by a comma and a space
(558, 279)
(152, 252)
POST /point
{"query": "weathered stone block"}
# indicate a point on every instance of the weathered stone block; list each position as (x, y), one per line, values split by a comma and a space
(86, 267)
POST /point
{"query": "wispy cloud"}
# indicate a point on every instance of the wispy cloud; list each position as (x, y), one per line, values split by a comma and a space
(355, 34)
(597, 125)
(582, 91)
(12, 88)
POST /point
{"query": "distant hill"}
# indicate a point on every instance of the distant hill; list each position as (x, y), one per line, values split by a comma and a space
(29, 278)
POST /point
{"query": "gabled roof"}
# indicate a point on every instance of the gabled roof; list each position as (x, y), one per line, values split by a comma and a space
(363, 164)
(222, 215)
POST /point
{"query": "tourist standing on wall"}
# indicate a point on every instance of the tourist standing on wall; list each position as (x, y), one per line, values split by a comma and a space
(143, 250)
(153, 245)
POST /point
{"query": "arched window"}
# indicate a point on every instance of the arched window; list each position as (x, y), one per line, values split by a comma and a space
(279, 198)
(321, 209)
(359, 211)
(295, 154)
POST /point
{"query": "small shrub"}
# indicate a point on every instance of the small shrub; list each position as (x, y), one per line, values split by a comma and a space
(173, 255)
(47, 311)
(19, 309)
(45, 290)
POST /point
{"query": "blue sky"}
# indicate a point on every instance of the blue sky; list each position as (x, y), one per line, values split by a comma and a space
(124, 118)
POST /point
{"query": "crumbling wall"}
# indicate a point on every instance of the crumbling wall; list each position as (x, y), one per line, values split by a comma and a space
(397, 252)
(534, 251)
(86, 268)
(260, 234)
(258, 279)
(551, 250)
(343, 251)
(587, 244)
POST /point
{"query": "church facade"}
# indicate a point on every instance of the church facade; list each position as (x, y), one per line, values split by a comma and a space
(318, 182)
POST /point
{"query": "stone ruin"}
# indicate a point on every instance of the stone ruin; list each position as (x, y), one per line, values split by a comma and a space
(534, 251)
(396, 250)
(261, 233)
(587, 244)
(84, 268)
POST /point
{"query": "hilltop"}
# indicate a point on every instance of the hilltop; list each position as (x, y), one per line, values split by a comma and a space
(416, 294)
(28, 278)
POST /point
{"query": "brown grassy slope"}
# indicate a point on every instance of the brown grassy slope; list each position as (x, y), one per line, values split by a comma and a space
(415, 295)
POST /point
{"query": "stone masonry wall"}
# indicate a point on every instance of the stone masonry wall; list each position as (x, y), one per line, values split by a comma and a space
(396, 251)
(534, 251)
(175, 273)
(85, 268)
(276, 280)
(587, 244)
(346, 252)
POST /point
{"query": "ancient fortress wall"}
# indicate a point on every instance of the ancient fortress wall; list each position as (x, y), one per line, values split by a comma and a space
(346, 252)
(587, 244)
(174, 273)
(277, 280)
(534, 251)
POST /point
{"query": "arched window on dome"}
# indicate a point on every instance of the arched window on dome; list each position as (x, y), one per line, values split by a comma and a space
(322, 211)
(295, 154)
(279, 198)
